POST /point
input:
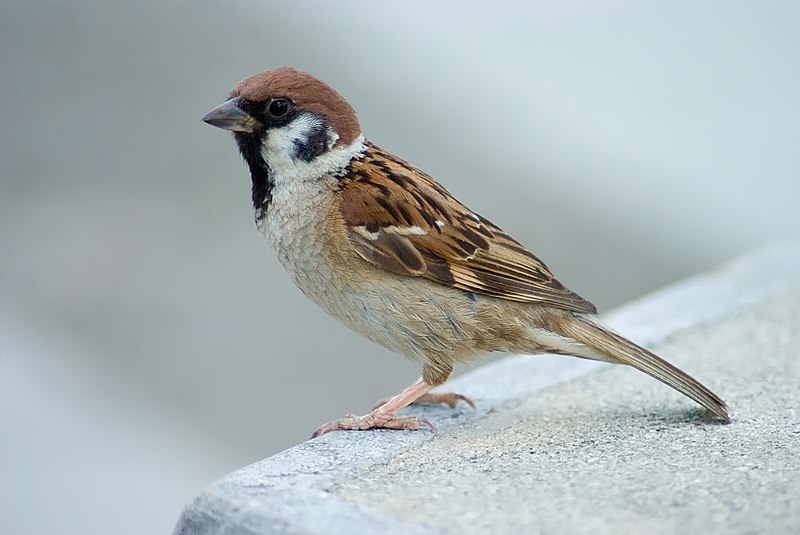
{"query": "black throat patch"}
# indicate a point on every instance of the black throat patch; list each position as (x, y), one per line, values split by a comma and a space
(250, 147)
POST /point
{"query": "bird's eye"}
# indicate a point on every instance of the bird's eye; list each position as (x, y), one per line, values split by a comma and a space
(279, 107)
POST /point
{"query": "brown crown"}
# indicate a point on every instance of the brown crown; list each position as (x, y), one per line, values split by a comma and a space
(308, 93)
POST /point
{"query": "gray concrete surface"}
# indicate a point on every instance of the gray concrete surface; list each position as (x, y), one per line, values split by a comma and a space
(605, 450)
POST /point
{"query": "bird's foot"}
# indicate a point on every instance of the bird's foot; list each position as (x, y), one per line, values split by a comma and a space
(450, 399)
(376, 419)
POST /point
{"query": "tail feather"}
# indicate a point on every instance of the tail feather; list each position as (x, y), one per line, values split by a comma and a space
(621, 350)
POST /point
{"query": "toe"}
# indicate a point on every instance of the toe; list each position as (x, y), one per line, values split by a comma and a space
(450, 399)
(373, 421)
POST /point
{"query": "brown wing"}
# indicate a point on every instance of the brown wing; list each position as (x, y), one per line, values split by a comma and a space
(413, 226)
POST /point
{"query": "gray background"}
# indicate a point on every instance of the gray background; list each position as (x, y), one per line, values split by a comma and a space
(149, 342)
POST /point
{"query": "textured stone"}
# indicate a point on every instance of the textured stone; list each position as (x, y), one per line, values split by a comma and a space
(565, 446)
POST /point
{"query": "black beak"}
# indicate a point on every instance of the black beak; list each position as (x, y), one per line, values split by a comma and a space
(229, 116)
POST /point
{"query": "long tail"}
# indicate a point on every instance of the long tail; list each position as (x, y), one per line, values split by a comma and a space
(615, 348)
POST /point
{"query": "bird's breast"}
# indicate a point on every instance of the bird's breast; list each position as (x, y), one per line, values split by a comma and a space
(409, 315)
(295, 228)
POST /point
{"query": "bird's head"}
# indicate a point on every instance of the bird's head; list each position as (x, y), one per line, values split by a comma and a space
(288, 125)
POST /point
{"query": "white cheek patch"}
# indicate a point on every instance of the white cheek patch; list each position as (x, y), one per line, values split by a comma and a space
(280, 152)
(281, 143)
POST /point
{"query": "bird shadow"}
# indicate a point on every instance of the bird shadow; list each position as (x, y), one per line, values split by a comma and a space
(661, 416)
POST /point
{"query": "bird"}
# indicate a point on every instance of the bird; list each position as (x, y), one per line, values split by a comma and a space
(387, 250)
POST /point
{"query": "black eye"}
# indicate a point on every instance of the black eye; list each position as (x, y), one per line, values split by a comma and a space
(279, 107)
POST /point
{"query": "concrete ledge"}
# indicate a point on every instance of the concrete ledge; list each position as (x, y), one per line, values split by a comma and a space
(563, 445)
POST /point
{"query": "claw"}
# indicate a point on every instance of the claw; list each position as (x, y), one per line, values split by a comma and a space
(428, 424)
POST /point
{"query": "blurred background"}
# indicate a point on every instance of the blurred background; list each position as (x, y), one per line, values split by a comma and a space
(150, 342)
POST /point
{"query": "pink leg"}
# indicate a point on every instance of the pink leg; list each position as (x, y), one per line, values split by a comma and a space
(385, 416)
(450, 399)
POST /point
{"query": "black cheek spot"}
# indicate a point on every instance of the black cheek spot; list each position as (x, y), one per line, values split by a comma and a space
(315, 145)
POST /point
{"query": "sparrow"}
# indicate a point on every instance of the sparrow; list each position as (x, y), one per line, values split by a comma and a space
(387, 250)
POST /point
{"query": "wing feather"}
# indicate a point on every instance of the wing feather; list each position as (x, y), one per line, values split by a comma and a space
(400, 219)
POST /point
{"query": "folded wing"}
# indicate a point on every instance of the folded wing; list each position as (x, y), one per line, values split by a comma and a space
(414, 227)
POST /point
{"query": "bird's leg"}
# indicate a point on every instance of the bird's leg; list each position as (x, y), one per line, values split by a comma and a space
(384, 416)
(435, 375)
(450, 399)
